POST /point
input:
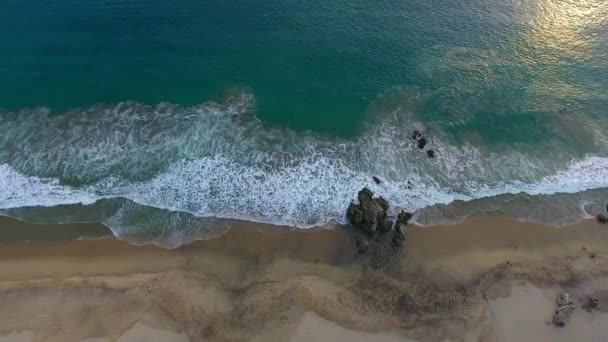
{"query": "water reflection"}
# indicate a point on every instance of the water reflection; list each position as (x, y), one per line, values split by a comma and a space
(566, 28)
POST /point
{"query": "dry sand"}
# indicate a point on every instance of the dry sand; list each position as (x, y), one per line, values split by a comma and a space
(487, 279)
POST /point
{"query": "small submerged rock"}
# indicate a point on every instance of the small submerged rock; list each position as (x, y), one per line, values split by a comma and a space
(602, 218)
(421, 143)
(376, 180)
(420, 140)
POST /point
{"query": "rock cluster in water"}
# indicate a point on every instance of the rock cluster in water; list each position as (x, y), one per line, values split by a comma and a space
(370, 217)
(421, 143)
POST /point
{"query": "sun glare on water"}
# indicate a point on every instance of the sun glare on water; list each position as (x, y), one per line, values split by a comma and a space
(568, 27)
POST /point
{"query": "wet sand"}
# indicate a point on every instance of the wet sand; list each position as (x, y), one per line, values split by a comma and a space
(487, 279)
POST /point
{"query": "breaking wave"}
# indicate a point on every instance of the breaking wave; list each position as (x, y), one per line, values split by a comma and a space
(216, 160)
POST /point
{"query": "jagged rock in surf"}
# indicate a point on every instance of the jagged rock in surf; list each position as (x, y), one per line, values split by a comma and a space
(565, 308)
(370, 215)
(376, 180)
(403, 219)
(602, 219)
(422, 143)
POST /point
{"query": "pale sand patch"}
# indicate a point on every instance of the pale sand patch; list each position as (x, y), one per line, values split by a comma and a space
(314, 328)
(24, 336)
(300, 325)
(142, 333)
(238, 286)
(525, 314)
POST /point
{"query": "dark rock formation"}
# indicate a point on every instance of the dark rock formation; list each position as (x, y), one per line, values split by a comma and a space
(591, 304)
(378, 257)
(376, 180)
(404, 218)
(362, 244)
(602, 218)
(565, 308)
(370, 217)
(370, 214)
(421, 143)
(400, 226)
(563, 300)
(388, 225)
(398, 237)
(430, 153)
(562, 315)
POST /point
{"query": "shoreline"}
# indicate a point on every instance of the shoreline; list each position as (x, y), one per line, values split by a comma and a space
(263, 283)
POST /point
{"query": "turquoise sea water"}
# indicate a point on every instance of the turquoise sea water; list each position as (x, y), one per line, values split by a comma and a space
(173, 113)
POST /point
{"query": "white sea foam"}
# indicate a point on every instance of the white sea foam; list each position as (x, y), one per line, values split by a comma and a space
(17, 190)
(217, 160)
(302, 196)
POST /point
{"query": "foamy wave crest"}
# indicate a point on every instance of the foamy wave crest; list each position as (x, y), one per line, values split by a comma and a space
(307, 195)
(218, 160)
(22, 191)
(589, 173)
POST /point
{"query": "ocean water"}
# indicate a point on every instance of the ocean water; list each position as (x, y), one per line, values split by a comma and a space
(161, 118)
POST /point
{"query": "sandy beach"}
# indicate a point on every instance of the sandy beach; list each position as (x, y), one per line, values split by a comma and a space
(486, 279)
(296, 171)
